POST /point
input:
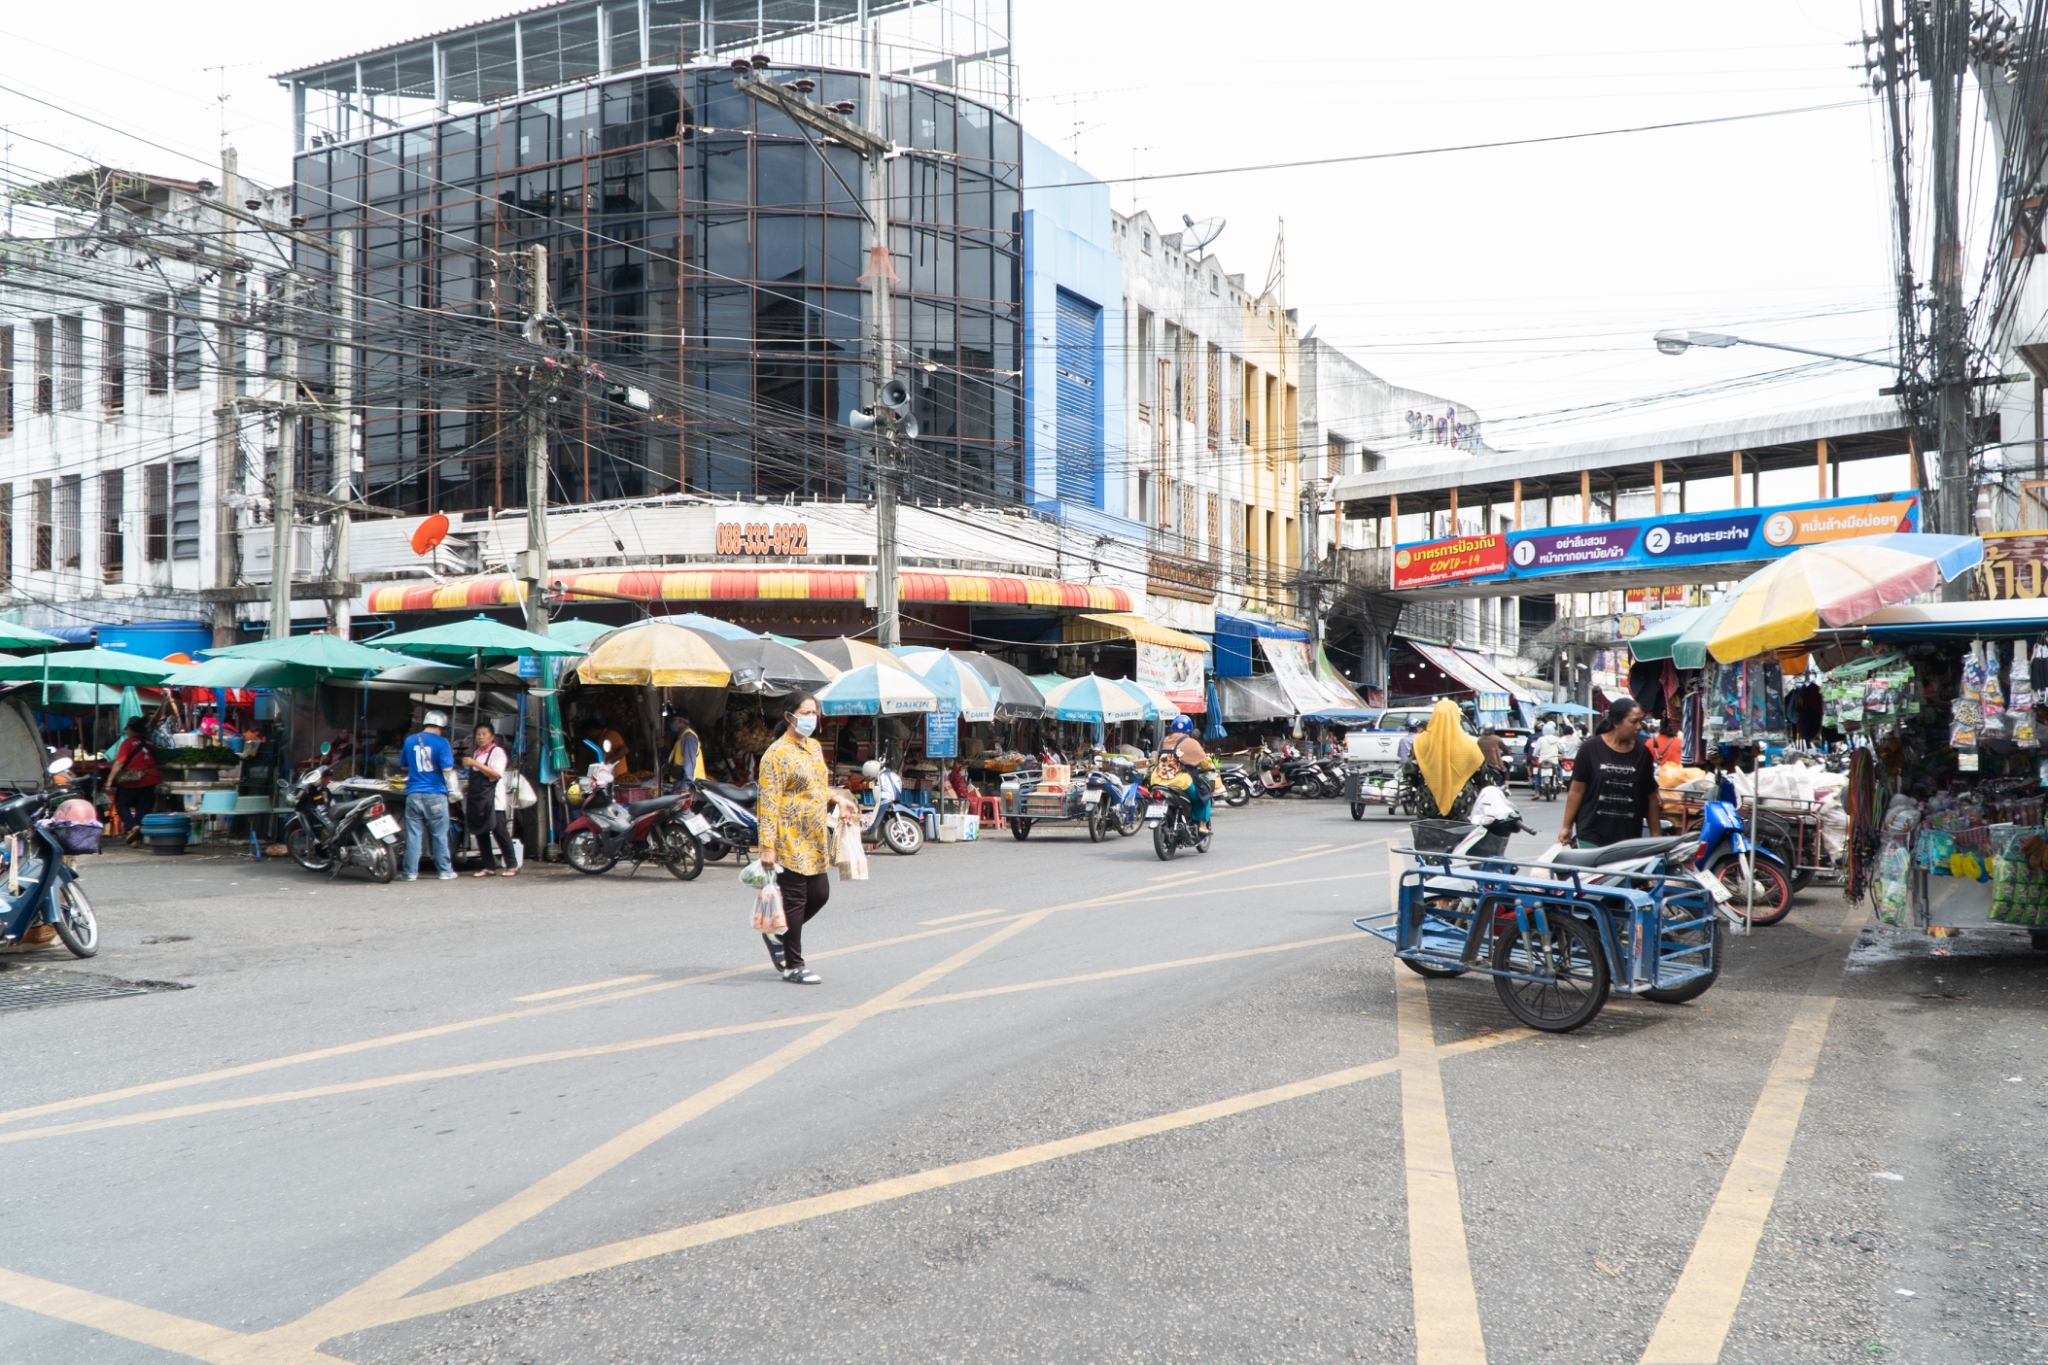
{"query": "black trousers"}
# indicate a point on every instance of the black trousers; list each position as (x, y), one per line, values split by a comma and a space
(489, 823)
(802, 898)
(134, 803)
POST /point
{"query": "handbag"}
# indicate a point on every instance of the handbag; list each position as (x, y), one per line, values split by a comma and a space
(521, 791)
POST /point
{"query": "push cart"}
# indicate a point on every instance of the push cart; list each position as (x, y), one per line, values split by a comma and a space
(1048, 795)
(1556, 940)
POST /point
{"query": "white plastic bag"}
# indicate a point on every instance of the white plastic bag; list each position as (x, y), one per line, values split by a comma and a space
(769, 917)
(854, 864)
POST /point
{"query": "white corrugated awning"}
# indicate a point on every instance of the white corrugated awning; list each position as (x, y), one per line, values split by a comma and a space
(1456, 667)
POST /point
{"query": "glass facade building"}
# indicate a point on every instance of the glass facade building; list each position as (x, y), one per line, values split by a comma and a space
(694, 236)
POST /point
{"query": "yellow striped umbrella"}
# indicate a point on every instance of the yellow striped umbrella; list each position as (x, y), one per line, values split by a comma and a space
(1836, 584)
(654, 654)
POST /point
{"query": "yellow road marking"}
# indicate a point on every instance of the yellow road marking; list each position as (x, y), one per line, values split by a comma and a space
(955, 919)
(633, 1249)
(437, 1031)
(151, 1327)
(1701, 1309)
(625, 1045)
(578, 990)
(1447, 1330)
(1314, 848)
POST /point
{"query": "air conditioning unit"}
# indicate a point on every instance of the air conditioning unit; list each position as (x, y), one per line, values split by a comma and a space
(258, 543)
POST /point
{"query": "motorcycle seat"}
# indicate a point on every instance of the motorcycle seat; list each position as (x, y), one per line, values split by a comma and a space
(1628, 850)
(640, 808)
(739, 796)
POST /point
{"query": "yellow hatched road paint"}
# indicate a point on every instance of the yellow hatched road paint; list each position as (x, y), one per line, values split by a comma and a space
(1447, 1330)
(578, 990)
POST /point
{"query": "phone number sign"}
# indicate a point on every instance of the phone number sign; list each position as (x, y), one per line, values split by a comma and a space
(761, 532)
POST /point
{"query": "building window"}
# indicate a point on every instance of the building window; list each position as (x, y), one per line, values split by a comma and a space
(39, 512)
(70, 521)
(70, 362)
(113, 358)
(1144, 496)
(113, 545)
(1333, 460)
(1147, 240)
(1215, 528)
(159, 346)
(185, 509)
(6, 533)
(1215, 377)
(1237, 529)
(46, 384)
(185, 343)
(156, 490)
(6, 381)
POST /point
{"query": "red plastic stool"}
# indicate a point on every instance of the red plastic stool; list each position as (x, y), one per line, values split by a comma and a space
(989, 811)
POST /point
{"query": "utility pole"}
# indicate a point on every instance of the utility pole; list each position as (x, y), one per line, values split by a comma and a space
(1945, 58)
(284, 479)
(888, 416)
(344, 436)
(540, 395)
(227, 453)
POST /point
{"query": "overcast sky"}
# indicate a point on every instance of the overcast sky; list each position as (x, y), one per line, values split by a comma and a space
(1525, 281)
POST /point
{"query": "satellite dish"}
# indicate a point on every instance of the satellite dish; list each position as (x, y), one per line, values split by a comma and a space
(429, 533)
(1199, 235)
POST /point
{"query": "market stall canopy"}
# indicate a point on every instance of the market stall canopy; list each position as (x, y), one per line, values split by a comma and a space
(654, 654)
(956, 684)
(327, 653)
(1123, 625)
(1161, 704)
(1681, 638)
(846, 655)
(1836, 584)
(1564, 708)
(237, 674)
(877, 690)
(1102, 700)
(762, 665)
(477, 639)
(2001, 620)
(1259, 697)
(1017, 697)
(711, 625)
(107, 667)
(575, 631)
(22, 638)
(69, 694)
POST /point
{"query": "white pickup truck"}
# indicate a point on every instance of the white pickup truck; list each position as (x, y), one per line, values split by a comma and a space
(1377, 746)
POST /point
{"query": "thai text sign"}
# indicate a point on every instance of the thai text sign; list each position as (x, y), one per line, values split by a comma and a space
(764, 531)
(1444, 561)
(1176, 672)
(2015, 566)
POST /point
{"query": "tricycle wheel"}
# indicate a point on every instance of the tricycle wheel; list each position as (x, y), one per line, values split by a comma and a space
(1358, 810)
(1433, 973)
(1771, 894)
(1802, 879)
(1569, 956)
(1692, 938)
(1020, 830)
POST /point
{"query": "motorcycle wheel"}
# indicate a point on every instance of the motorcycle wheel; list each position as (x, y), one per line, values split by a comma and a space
(1699, 985)
(1202, 841)
(679, 852)
(1020, 830)
(75, 922)
(714, 849)
(1128, 821)
(375, 857)
(1358, 810)
(1772, 892)
(1099, 820)
(305, 849)
(1164, 842)
(584, 851)
(1236, 794)
(902, 834)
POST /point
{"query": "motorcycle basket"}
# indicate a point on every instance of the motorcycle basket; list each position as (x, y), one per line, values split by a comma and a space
(1441, 836)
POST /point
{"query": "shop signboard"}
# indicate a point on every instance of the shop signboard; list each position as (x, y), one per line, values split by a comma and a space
(1297, 677)
(529, 665)
(755, 530)
(1176, 672)
(942, 733)
(1696, 538)
(2015, 566)
(1446, 561)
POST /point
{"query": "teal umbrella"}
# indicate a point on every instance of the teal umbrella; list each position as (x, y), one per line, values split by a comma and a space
(21, 637)
(131, 707)
(107, 667)
(240, 673)
(477, 639)
(578, 632)
(319, 651)
(1681, 638)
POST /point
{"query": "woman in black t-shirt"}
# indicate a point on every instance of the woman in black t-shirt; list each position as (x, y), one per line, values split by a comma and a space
(1612, 780)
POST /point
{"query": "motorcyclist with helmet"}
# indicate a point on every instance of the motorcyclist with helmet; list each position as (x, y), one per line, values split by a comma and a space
(1186, 751)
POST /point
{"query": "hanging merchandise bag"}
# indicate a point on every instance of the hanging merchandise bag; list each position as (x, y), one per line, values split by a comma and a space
(769, 917)
(2021, 706)
(1994, 688)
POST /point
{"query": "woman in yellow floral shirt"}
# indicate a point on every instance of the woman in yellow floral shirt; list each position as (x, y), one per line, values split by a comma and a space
(795, 790)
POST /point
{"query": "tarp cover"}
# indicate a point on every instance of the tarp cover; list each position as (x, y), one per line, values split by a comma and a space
(1260, 698)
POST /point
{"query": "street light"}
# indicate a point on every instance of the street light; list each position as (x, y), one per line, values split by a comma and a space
(1678, 343)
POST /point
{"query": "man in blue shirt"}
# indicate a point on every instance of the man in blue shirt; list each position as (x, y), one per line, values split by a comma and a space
(429, 774)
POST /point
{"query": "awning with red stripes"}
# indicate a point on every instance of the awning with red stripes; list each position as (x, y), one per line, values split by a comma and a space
(754, 585)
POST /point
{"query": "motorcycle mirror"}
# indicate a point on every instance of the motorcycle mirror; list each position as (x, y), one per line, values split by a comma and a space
(61, 766)
(324, 749)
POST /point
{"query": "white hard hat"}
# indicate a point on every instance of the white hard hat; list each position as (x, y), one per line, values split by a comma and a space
(439, 718)
(871, 769)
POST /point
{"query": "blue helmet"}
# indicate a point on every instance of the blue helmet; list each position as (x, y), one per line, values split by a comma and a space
(1181, 726)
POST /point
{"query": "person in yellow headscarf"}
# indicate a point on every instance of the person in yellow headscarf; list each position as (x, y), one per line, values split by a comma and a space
(1446, 764)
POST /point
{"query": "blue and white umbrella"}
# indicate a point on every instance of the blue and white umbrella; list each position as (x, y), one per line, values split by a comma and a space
(1102, 700)
(876, 690)
(958, 686)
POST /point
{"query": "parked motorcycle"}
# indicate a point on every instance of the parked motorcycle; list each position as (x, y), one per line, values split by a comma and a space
(887, 822)
(50, 893)
(726, 813)
(342, 824)
(1234, 786)
(607, 832)
(1115, 799)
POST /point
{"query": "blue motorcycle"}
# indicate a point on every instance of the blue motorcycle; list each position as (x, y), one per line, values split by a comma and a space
(1115, 801)
(49, 891)
(1758, 882)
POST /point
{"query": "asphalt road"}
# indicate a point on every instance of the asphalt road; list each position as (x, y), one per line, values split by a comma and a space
(1041, 1108)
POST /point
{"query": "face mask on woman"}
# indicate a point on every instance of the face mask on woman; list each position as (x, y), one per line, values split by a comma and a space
(805, 725)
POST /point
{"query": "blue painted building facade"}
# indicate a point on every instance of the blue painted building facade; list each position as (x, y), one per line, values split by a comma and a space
(1073, 313)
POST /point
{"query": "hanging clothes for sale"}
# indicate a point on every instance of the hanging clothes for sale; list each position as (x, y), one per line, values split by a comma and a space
(1809, 709)
(1646, 685)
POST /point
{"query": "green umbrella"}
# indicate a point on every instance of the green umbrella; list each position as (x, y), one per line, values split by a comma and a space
(107, 667)
(479, 638)
(322, 652)
(21, 637)
(1681, 638)
(577, 632)
(73, 694)
(241, 673)
(131, 707)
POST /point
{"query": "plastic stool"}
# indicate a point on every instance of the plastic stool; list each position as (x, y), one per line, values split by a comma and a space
(989, 810)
